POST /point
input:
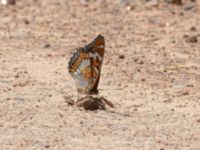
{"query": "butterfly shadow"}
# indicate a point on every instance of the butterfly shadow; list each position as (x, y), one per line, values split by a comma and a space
(90, 103)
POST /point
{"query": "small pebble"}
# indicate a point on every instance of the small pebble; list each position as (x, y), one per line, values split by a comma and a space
(47, 146)
(129, 8)
(26, 22)
(177, 2)
(8, 2)
(151, 3)
(188, 7)
(191, 39)
(185, 93)
(193, 28)
(141, 62)
(47, 46)
(16, 76)
(121, 56)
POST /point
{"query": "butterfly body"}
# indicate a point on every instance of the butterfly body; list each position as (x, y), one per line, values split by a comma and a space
(85, 66)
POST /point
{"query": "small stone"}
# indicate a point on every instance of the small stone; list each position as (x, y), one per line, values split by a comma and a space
(136, 59)
(8, 2)
(123, 2)
(16, 76)
(49, 55)
(189, 85)
(121, 56)
(176, 2)
(185, 36)
(168, 101)
(141, 62)
(26, 22)
(181, 14)
(129, 7)
(193, 28)
(188, 7)
(47, 46)
(168, 1)
(172, 40)
(191, 39)
(47, 146)
(185, 93)
(151, 3)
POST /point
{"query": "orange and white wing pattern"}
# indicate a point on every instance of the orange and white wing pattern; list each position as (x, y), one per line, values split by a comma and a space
(85, 66)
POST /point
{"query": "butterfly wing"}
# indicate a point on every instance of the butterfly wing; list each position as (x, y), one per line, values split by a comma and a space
(96, 56)
(85, 66)
(80, 69)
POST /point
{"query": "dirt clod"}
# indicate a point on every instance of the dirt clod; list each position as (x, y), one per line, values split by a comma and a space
(191, 39)
(193, 28)
(47, 46)
(121, 56)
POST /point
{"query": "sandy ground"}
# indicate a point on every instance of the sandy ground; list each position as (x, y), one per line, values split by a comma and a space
(151, 73)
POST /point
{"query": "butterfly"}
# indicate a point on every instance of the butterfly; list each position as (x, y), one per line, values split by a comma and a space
(85, 66)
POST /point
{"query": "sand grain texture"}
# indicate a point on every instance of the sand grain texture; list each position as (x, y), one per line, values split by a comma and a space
(150, 73)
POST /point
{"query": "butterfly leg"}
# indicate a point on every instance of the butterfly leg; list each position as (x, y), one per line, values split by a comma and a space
(109, 103)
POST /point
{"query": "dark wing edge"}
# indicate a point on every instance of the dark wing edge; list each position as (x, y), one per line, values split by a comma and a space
(100, 38)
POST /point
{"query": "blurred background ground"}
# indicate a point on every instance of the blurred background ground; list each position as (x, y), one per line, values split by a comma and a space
(151, 72)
